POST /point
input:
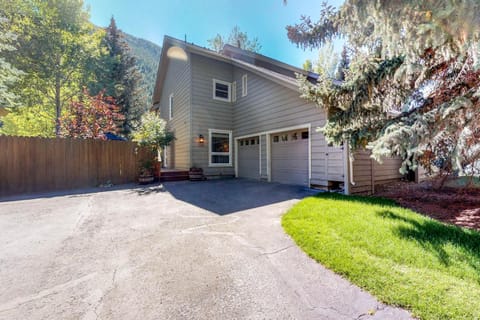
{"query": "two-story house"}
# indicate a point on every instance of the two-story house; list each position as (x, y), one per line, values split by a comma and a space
(238, 113)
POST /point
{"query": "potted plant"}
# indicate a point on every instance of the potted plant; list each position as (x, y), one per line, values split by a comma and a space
(152, 134)
(146, 172)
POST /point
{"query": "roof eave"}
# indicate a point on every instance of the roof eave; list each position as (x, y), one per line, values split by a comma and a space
(168, 42)
(290, 85)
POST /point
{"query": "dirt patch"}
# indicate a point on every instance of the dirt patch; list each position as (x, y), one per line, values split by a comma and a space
(456, 206)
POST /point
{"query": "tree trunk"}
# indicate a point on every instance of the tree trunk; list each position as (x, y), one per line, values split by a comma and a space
(58, 107)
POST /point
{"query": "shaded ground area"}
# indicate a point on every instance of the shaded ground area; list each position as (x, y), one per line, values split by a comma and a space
(456, 206)
(181, 250)
(229, 196)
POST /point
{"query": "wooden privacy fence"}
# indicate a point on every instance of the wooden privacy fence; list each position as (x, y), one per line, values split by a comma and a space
(38, 164)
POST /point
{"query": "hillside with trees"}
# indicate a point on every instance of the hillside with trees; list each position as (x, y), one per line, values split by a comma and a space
(147, 55)
(56, 64)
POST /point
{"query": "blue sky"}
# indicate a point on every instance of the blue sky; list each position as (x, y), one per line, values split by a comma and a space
(201, 20)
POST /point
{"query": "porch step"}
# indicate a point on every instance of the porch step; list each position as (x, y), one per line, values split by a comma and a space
(173, 175)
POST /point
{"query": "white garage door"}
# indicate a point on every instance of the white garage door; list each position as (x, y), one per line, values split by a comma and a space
(248, 158)
(290, 157)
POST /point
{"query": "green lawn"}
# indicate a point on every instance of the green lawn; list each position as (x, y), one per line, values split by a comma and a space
(401, 257)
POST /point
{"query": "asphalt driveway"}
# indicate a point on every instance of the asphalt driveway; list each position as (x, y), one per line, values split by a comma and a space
(184, 250)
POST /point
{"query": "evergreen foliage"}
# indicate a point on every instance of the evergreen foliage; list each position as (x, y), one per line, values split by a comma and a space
(343, 65)
(412, 86)
(147, 56)
(121, 78)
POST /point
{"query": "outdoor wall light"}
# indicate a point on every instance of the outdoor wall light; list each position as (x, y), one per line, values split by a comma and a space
(201, 139)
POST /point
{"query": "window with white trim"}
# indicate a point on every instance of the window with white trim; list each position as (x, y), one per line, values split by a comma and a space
(244, 85)
(170, 107)
(222, 90)
(220, 148)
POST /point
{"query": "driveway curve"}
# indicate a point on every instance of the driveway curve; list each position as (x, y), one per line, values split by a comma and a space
(182, 250)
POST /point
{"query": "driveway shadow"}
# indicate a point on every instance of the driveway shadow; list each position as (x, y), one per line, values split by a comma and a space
(218, 196)
(72, 193)
(146, 190)
(141, 190)
(231, 195)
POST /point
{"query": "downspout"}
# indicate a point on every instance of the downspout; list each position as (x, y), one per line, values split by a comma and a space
(190, 102)
(347, 168)
(350, 160)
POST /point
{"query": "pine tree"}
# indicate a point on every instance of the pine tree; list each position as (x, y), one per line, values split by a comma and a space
(133, 94)
(120, 78)
(413, 83)
(343, 65)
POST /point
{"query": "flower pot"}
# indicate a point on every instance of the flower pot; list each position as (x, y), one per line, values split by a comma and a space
(196, 174)
(146, 179)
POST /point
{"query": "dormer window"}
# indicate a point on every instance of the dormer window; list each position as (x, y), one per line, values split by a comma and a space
(222, 90)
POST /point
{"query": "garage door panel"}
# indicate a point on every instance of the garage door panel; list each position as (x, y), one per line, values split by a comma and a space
(289, 158)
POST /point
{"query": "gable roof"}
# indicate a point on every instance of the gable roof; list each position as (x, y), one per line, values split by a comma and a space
(261, 65)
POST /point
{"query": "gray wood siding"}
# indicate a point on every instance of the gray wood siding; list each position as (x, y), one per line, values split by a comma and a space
(208, 113)
(178, 82)
(362, 173)
(263, 157)
(270, 106)
(368, 173)
(388, 170)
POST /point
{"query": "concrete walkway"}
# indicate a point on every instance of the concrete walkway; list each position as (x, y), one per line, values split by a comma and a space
(185, 250)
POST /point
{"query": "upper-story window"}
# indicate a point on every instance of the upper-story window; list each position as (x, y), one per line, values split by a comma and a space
(170, 107)
(222, 90)
(244, 85)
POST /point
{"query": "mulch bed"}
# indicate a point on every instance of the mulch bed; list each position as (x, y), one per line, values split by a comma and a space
(456, 206)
